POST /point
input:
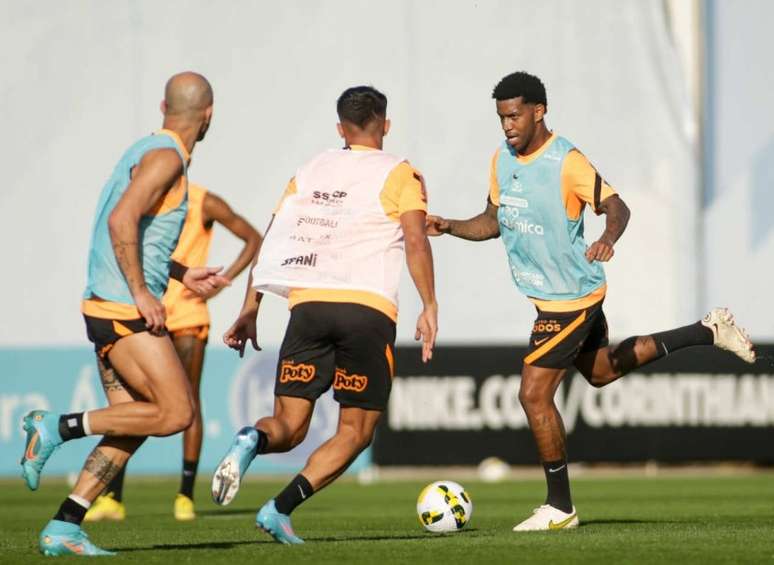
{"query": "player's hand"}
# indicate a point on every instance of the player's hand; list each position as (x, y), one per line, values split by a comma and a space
(205, 281)
(427, 328)
(600, 250)
(436, 225)
(152, 310)
(237, 336)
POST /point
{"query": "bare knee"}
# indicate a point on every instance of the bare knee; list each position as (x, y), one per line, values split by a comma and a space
(532, 396)
(174, 421)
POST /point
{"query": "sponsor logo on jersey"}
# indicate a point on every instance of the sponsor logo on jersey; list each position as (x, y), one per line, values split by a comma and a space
(355, 383)
(309, 260)
(525, 277)
(333, 198)
(506, 200)
(296, 372)
(546, 326)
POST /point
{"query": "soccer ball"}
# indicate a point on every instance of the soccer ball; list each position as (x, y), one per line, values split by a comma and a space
(444, 506)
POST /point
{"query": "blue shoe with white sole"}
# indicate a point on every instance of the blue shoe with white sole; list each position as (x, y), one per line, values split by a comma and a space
(228, 475)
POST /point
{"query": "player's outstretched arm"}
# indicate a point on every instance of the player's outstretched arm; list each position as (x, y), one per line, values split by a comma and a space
(215, 209)
(419, 258)
(152, 178)
(478, 228)
(616, 218)
(244, 328)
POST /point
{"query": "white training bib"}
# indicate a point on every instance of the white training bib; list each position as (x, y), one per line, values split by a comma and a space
(333, 233)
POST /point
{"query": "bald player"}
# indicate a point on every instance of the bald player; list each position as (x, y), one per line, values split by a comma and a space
(138, 221)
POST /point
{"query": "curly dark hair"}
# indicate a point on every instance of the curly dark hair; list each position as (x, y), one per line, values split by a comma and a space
(528, 86)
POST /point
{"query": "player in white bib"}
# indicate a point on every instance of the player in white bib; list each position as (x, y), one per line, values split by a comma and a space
(335, 249)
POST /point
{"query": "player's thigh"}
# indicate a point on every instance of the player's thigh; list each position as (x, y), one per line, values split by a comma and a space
(190, 348)
(593, 360)
(364, 357)
(117, 391)
(150, 365)
(295, 413)
(306, 359)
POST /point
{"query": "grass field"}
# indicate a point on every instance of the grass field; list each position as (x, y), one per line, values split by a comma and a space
(626, 520)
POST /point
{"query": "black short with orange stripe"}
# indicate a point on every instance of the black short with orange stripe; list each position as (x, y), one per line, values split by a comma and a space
(345, 346)
(559, 337)
(105, 332)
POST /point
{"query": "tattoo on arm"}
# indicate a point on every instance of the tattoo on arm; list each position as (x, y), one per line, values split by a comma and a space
(127, 256)
(478, 228)
(616, 218)
(99, 465)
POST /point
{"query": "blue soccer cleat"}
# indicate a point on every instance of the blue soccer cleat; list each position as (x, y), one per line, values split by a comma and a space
(63, 538)
(229, 473)
(276, 525)
(43, 438)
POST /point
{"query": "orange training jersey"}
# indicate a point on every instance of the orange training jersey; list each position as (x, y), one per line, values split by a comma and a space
(184, 310)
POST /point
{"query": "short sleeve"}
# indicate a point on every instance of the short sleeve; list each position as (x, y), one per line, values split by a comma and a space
(289, 190)
(404, 191)
(581, 185)
(494, 186)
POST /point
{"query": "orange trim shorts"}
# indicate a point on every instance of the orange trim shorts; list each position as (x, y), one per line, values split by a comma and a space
(348, 347)
(559, 337)
(105, 332)
(202, 333)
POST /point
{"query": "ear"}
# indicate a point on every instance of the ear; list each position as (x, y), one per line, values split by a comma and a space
(208, 114)
(540, 112)
(163, 107)
(387, 124)
(340, 129)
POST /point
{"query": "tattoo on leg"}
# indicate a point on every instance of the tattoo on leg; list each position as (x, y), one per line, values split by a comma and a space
(110, 379)
(99, 465)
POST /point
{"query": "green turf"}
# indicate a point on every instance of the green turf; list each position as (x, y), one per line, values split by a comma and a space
(627, 520)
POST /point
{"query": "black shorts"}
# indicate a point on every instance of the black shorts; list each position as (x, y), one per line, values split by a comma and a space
(347, 346)
(105, 332)
(559, 337)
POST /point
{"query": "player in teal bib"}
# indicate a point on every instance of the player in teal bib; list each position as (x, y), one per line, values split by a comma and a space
(158, 233)
(138, 222)
(540, 185)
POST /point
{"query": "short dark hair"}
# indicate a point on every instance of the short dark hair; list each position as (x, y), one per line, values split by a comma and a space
(528, 86)
(360, 105)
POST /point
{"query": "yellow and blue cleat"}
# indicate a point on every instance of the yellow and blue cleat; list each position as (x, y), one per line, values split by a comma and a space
(106, 508)
(43, 438)
(277, 525)
(63, 538)
(231, 470)
(184, 508)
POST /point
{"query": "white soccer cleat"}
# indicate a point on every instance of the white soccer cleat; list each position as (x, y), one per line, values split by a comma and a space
(727, 335)
(548, 518)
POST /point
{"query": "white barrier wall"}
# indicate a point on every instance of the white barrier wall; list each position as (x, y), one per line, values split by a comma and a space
(83, 79)
(737, 219)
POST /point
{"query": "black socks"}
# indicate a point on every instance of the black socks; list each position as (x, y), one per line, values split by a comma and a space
(188, 478)
(116, 486)
(297, 491)
(558, 483)
(687, 336)
(71, 426)
(71, 511)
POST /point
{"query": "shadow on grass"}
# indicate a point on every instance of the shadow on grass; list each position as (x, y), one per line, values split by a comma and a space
(232, 544)
(619, 521)
(227, 512)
